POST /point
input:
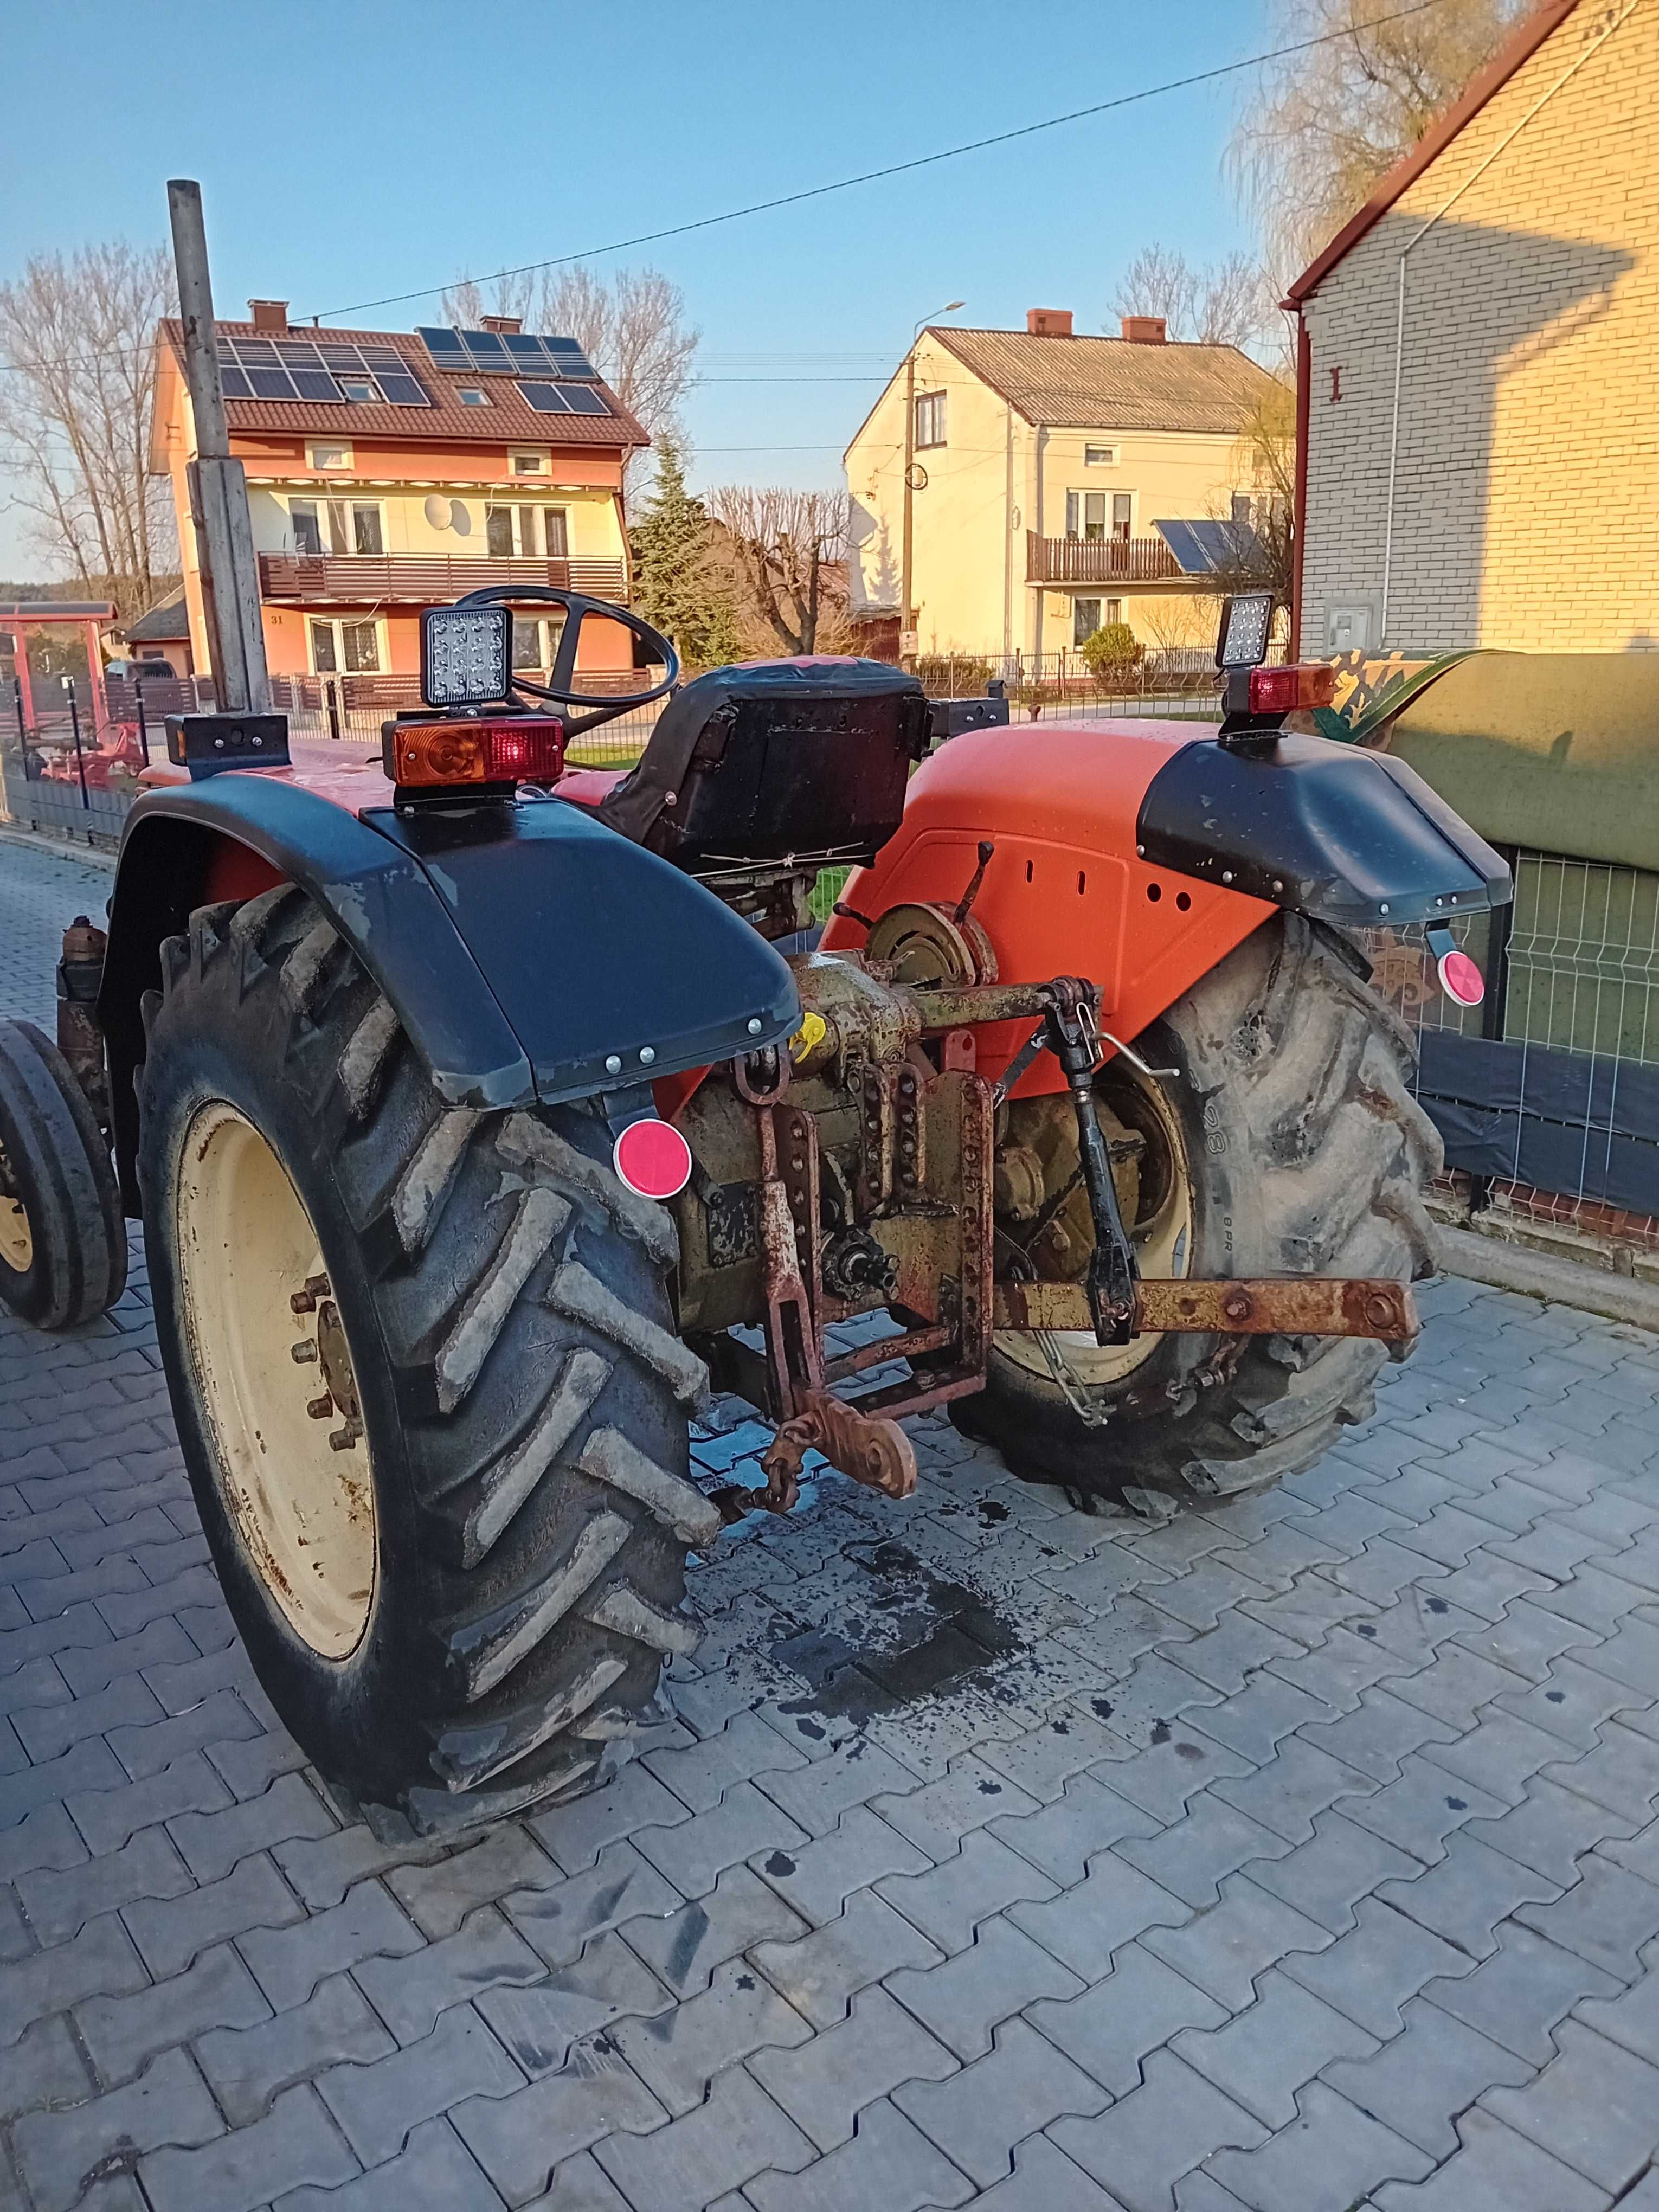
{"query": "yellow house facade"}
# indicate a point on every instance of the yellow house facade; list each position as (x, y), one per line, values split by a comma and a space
(1477, 385)
(1043, 470)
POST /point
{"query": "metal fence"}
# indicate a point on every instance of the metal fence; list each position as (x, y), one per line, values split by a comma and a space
(1547, 1094)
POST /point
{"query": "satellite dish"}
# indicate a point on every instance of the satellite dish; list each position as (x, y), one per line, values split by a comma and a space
(438, 510)
(459, 521)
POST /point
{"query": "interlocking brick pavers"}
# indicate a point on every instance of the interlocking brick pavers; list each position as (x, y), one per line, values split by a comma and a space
(1434, 2070)
(60, 2152)
(246, 2066)
(1112, 2028)
(1199, 1816)
(825, 2083)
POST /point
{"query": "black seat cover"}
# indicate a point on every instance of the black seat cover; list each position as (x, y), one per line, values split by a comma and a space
(772, 758)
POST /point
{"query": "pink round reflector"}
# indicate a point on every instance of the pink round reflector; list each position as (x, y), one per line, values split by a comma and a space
(653, 1158)
(1461, 980)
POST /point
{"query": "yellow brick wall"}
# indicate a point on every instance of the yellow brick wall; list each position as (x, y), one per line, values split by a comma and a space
(1526, 480)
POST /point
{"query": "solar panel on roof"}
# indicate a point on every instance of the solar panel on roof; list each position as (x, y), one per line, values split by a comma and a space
(564, 398)
(311, 370)
(507, 353)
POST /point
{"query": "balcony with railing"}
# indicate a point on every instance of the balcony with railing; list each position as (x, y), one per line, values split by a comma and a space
(1099, 561)
(417, 580)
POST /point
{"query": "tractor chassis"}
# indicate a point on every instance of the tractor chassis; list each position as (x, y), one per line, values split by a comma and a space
(926, 1155)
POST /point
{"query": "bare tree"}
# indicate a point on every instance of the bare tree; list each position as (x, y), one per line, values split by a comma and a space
(787, 551)
(79, 336)
(632, 327)
(1327, 122)
(1263, 555)
(1224, 302)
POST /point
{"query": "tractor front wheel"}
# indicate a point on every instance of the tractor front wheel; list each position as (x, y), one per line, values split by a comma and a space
(1289, 1145)
(426, 1383)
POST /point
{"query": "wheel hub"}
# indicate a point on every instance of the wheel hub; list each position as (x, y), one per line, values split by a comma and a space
(301, 1498)
(16, 1237)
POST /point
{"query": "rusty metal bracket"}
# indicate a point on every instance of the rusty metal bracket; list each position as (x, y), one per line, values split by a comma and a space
(791, 1336)
(876, 1452)
(1274, 1305)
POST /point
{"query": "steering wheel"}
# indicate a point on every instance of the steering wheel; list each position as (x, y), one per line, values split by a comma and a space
(578, 608)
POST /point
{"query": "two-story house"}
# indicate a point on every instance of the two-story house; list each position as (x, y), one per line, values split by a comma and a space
(391, 471)
(1057, 483)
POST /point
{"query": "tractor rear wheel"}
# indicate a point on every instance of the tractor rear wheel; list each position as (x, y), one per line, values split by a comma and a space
(1290, 1145)
(426, 1381)
(62, 1239)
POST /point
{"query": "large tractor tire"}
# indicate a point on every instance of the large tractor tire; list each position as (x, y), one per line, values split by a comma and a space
(62, 1239)
(427, 1385)
(1289, 1144)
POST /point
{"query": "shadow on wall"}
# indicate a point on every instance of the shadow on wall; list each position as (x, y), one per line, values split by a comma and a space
(873, 572)
(1515, 414)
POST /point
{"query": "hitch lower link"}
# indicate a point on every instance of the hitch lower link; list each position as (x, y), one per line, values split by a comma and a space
(1071, 1033)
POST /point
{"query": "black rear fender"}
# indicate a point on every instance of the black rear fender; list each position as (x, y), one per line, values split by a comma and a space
(531, 953)
(1350, 837)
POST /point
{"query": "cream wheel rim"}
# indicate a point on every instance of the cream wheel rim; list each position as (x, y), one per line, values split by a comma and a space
(1163, 1247)
(16, 1237)
(275, 1376)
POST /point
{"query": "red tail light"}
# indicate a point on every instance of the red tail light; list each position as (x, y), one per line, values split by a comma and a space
(440, 755)
(1282, 690)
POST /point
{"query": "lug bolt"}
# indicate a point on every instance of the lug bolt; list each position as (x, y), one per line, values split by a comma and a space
(317, 1287)
(320, 1408)
(342, 1439)
(304, 1352)
(302, 1302)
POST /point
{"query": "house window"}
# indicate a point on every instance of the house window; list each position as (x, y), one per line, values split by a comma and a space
(529, 464)
(352, 647)
(361, 391)
(1099, 456)
(1241, 506)
(1122, 513)
(523, 532)
(1086, 619)
(930, 418)
(1112, 611)
(330, 457)
(1085, 514)
(473, 395)
(336, 526)
(535, 643)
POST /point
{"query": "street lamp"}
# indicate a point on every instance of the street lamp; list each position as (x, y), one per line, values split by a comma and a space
(907, 611)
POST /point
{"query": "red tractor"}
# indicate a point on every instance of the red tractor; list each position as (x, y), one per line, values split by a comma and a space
(476, 1120)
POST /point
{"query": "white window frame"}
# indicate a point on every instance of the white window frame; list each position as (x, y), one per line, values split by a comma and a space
(549, 630)
(341, 445)
(1100, 456)
(539, 459)
(473, 395)
(326, 521)
(537, 531)
(337, 625)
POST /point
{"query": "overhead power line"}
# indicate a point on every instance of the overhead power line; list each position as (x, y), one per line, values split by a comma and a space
(813, 191)
(895, 168)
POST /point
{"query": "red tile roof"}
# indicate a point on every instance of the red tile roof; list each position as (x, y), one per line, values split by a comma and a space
(508, 420)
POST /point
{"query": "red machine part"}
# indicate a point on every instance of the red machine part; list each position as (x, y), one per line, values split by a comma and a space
(1065, 892)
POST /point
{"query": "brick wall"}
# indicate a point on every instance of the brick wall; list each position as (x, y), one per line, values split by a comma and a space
(1526, 492)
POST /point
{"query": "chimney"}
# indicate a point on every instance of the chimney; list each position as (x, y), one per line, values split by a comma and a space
(1143, 330)
(1048, 322)
(269, 314)
(505, 326)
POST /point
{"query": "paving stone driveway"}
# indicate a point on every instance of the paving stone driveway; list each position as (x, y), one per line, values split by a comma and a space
(1299, 1854)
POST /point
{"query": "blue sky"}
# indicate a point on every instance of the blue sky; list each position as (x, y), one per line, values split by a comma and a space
(360, 148)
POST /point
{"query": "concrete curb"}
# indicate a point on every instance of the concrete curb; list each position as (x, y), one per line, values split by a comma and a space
(64, 850)
(1557, 1282)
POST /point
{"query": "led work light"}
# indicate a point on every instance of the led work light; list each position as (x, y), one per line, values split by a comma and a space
(465, 655)
(1246, 619)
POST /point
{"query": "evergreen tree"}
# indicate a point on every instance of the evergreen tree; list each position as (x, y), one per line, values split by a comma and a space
(675, 586)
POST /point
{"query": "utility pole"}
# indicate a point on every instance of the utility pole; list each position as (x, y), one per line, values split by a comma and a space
(907, 558)
(218, 488)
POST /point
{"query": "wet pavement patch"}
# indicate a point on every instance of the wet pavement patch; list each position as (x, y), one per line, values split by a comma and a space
(911, 1634)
